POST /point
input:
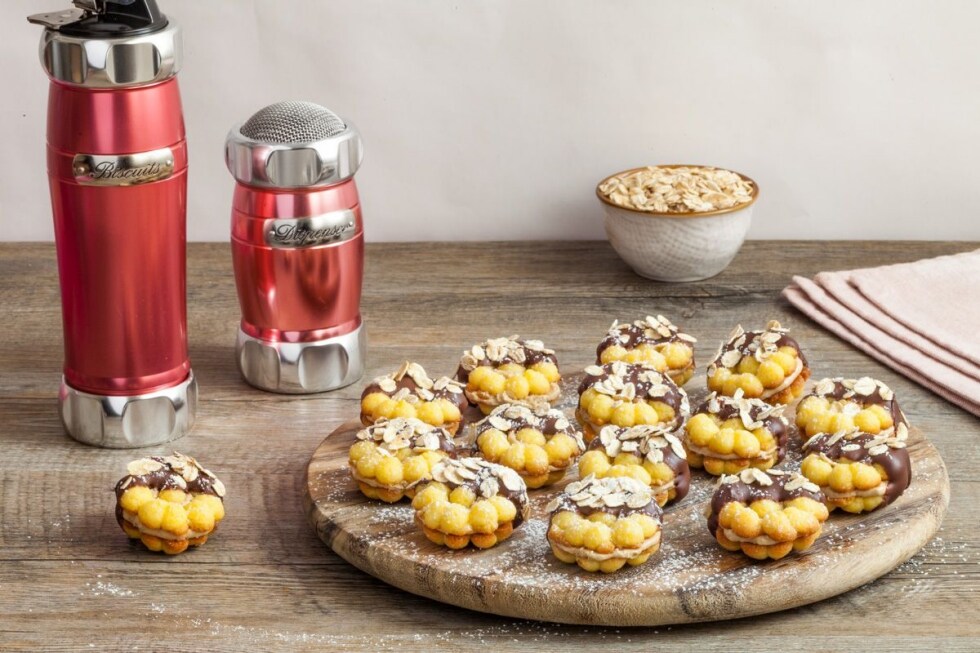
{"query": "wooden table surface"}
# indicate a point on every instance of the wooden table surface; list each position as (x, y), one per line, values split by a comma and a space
(70, 579)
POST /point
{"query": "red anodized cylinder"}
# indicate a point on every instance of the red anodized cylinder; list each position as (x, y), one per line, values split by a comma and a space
(121, 248)
(299, 294)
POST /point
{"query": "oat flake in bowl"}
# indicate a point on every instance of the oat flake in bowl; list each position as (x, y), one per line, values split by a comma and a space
(677, 223)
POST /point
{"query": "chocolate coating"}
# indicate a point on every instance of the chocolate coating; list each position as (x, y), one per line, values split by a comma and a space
(894, 460)
(654, 440)
(564, 501)
(650, 384)
(404, 380)
(838, 390)
(417, 433)
(649, 331)
(758, 410)
(549, 422)
(167, 477)
(746, 493)
(518, 352)
(484, 472)
(744, 343)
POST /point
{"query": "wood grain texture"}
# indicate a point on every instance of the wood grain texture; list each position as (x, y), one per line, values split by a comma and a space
(691, 579)
(69, 578)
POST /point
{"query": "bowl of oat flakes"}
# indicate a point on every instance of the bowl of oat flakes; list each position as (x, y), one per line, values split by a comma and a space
(677, 222)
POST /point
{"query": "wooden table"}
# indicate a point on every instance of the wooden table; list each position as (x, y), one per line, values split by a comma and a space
(70, 580)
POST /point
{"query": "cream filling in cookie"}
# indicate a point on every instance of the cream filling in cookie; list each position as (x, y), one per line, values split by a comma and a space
(583, 417)
(662, 489)
(675, 370)
(469, 529)
(134, 520)
(582, 552)
(761, 540)
(532, 401)
(873, 492)
(551, 469)
(373, 482)
(708, 453)
(787, 382)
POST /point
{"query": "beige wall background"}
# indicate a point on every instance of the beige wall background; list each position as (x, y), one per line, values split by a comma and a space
(494, 119)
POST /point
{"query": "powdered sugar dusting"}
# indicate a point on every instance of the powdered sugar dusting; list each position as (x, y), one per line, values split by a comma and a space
(690, 565)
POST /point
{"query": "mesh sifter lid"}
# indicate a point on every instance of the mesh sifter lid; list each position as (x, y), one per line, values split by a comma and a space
(293, 145)
(293, 122)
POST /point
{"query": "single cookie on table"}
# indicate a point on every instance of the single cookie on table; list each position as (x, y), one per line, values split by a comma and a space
(728, 434)
(470, 501)
(510, 371)
(625, 394)
(654, 341)
(602, 524)
(390, 459)
(845, 405)
(650, 454)
(169, 503)
(858, 472)
(539, 444)
(765, 364)
(766, 514)
(409, 392)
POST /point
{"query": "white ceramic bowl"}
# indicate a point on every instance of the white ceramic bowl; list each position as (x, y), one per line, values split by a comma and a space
(677, 246)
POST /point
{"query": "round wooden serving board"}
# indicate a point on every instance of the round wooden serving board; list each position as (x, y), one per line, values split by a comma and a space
(691, 578)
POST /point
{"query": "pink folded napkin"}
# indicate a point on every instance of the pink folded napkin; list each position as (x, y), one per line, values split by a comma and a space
(922, 319)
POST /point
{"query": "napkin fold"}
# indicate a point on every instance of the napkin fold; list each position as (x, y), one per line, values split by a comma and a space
(922, 319)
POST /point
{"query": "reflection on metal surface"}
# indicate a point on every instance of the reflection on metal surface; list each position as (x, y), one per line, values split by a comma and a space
(124, 169)
(333, 227)
(126, 422)
(302, 367)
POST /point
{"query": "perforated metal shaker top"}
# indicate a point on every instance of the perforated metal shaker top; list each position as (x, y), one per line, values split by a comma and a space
(293, 145)
(293, 122)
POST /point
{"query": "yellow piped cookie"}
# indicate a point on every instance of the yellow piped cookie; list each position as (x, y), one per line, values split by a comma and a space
(409, 392)
(858, 472)
(539, 444)
(650, 454)
(728, 434)
(653, 341)
(625, 394)
(510, 371)
(847, 405)
(471, 502)
(169, 503)
(766, 514)
(765, 364)
(605, 524)
(389, 459)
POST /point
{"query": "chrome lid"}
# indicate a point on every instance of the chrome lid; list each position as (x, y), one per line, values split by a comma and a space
(129, 422)
(109, 44)
(293, 145)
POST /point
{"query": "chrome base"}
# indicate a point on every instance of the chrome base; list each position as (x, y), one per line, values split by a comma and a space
(129, 422)
(302, 367)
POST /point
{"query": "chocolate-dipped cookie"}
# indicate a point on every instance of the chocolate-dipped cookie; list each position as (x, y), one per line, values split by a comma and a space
(390, 458)
(625, 394)
(470, 501)
(539, 444)
(603, 524)
(728, 434)
(409, 392)
(765, 364)
(845, 405)
(655, 342)
(858, 472)
(766, 514)
(510, 371)
(169, 503)
(650, 454)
